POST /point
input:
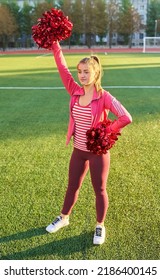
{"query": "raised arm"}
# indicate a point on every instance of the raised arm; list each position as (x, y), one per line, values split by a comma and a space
(69, 83)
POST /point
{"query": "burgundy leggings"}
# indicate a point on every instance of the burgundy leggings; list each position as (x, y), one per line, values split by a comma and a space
(99, 165)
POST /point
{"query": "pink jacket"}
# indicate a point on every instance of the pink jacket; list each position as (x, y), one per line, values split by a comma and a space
(100, 105)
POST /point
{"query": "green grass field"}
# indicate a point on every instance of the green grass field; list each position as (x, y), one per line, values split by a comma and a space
(34, 163)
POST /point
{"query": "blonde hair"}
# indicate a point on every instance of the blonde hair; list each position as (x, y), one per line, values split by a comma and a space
(95, 63)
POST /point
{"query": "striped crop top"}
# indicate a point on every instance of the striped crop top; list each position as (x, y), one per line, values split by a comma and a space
(82, 119)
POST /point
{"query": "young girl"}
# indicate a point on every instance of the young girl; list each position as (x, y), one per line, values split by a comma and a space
(89, 104)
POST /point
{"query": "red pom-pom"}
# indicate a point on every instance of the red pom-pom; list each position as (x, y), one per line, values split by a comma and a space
(98, 140)
(53, 26)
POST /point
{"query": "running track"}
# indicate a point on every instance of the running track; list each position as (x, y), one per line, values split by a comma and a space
(75, 50)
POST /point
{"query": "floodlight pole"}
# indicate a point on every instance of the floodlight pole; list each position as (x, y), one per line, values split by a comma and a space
(155, 30)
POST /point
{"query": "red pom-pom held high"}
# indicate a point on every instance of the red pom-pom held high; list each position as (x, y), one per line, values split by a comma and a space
(53, 26)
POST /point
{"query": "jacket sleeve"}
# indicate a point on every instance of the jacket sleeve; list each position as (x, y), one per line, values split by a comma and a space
(66, 77)
(123, 116)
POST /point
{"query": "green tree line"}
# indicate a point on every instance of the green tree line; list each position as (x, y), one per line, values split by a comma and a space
(91, 18)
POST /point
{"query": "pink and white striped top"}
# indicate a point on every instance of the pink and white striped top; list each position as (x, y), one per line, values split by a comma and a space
(82, 118)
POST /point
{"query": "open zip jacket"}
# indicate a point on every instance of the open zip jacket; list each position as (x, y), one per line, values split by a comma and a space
(101, 104)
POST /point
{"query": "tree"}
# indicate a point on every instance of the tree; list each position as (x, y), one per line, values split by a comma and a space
(26, 24)
(39, 9)
(8, 25)
(67, 9)
(153, 18)
(89, 21)
(129, 21)
(77, 19)
(100, 17)
(158, 27)
(112, 19)
(15, 11)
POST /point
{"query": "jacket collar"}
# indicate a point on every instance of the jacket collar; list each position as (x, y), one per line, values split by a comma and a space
(80, 91)
(95, 94)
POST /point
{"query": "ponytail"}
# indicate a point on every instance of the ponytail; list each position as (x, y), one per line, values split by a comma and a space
(98, 69)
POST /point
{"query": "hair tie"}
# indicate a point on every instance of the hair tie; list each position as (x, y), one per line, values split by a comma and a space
(95, 58)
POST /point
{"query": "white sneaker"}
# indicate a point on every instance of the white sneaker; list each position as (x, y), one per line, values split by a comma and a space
(57, 224)
(99, 235)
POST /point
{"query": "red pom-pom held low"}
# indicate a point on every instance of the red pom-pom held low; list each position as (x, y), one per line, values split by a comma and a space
(53, 26)
(98, 140)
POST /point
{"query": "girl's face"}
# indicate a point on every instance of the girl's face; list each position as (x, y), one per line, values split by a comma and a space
(86, 74)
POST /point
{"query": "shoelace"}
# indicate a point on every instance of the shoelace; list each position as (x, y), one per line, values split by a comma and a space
(56, 220)
(99, 232)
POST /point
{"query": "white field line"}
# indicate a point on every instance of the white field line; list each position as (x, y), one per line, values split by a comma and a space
(42, 55)
(56, 88)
